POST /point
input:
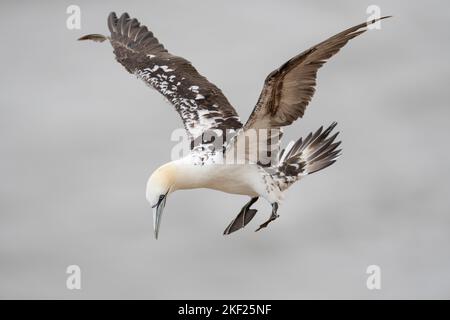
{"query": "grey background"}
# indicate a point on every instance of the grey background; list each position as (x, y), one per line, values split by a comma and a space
(79, 137)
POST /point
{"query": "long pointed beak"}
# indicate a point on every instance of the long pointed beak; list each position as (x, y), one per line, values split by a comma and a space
(157, 213)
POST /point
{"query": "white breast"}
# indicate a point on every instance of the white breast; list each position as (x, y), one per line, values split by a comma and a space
(236, 179)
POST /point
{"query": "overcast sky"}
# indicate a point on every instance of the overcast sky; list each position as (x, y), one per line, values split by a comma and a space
(79, 138)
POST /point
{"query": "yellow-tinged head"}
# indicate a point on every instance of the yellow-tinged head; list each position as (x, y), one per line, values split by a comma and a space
(160, 184)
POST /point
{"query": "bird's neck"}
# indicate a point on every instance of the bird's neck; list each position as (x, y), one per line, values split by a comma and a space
(187, 175)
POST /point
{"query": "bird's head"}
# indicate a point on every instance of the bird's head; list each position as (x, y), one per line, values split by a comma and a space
(160, 184)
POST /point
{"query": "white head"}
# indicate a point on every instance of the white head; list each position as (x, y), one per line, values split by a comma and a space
(160, 184)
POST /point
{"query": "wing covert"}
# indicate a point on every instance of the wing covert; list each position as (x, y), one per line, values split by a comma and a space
(201, 105)
(288, 90)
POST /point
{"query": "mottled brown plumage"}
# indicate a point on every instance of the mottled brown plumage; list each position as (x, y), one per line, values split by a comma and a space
(288, 90)
(205, 110)
(201, 105)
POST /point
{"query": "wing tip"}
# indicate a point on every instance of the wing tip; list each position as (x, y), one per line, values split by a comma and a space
(93, 37)
(369, 22)
(112, 21)
(130, 33)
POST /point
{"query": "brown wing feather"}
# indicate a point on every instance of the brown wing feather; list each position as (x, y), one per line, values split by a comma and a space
(201, 105)
(288, 90)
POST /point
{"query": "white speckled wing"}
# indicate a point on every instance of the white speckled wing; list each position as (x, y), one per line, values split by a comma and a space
(200, 104)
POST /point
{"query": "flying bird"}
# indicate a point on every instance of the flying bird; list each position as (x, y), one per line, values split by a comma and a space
(237, 163)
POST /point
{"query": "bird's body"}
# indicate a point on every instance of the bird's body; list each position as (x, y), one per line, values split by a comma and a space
(249, 161)
(233, 179)
(242, 179)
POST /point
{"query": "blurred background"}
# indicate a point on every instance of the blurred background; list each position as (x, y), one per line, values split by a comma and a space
(79, 138)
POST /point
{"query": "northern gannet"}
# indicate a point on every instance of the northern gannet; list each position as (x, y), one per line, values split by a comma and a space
(207, 115)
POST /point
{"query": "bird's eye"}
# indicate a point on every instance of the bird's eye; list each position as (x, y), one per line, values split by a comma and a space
(160, 199)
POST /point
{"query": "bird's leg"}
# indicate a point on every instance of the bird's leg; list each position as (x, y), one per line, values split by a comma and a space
(273, 216)
(243, 218)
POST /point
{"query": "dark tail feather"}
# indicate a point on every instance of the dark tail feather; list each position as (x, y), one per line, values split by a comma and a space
(314, 153)
(93, 37)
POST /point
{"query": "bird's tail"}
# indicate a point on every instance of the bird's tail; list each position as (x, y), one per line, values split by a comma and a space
(305, 156)
(93, 37)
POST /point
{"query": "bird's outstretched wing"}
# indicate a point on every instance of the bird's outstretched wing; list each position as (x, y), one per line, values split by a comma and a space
(201, 105)
(288, 90)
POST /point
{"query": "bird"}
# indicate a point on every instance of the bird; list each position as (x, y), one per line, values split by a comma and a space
(224, 153)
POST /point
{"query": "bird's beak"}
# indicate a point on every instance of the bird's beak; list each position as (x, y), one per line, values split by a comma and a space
(157, 213)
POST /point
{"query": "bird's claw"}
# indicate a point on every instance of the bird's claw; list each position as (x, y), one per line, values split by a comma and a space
(243, 218)
(265, 224)
(240, 221)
